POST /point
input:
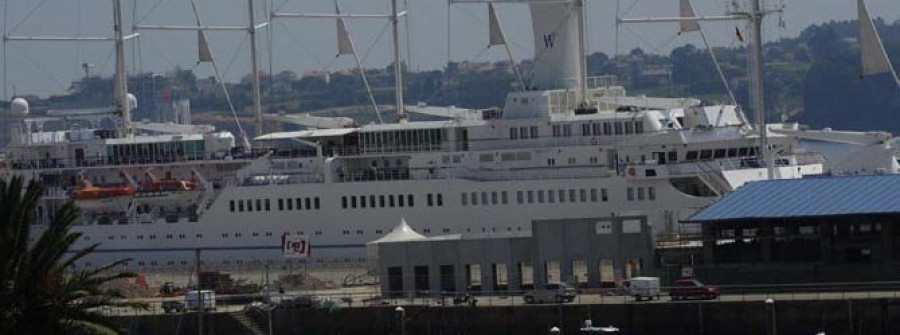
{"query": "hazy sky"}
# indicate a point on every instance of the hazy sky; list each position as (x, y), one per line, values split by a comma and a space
(437, 34)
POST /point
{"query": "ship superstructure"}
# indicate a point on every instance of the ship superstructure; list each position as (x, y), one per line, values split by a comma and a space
(568, 146)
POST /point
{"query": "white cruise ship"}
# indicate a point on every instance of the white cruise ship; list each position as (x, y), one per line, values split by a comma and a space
(568, 147)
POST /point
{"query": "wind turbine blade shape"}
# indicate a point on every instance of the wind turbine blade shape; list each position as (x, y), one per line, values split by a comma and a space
(687, 10)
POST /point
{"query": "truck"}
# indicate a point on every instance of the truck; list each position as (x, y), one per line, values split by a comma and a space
(643, 287)
(197, 300)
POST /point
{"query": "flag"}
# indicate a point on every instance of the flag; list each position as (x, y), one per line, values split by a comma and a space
(737, 32)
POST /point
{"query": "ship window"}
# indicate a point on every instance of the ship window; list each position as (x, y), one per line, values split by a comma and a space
(352, 202)
(617, 126)
(551, 196)
(371, 201)
(673, 156)
(231, 205)
(346, 232)
(523, 132)
(258, 205)
(474, 198)
(400, 201)
(530, 197)
(629, 128)
(567, 130)
(732, 152)
(742, 152)
(540, 194)
(308, 202)
(520, 197)
(381, 201)
(604, 195)
(411, 200)
(596, 129)
(484, 198)
(268, 205)
(629, 194)
(638, 127)
(534, 131)
(290, 204)
(572, 195)
(719, 153)
(585, 129)
(362, 201)
(513, 134)
(651, 193)
(562, 195)
(692, 155)
(494, 198)
(556, 131)
(640, 193)
(249, 205)
(607, 128)
(299, 204)
(705, 154)
(429, 199)
(582, 195)
(359, 232)
(280, 204)
(593, 195)
(504, 197)
(440, 199)
(343, 202)
(391, 200)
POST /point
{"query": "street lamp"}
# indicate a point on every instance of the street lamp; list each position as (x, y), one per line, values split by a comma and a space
(554, 330)
(770, 317)
(399, 311)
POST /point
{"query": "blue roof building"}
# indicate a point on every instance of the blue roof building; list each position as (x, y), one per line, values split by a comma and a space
(829, 220)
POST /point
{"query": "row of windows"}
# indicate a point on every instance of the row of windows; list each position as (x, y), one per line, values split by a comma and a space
(290, 204)
(601, 129)
(539, 196)
(523, 132)
(721, 153)
(641, 195)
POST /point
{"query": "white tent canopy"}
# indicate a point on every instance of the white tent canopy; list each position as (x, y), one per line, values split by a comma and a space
(401, 233)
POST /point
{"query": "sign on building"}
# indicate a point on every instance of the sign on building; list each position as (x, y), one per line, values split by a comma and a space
(295, 246)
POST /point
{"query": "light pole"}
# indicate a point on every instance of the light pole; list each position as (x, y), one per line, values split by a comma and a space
(399, 311)
(771, 328)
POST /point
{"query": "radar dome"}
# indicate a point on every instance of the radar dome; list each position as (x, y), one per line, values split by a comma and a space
(132, 101)
(19, 106)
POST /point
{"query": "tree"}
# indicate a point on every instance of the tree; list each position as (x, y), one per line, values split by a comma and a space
(40, 291)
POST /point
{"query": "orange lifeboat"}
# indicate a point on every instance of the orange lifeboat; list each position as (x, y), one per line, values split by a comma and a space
(168, 185)
(97, 193)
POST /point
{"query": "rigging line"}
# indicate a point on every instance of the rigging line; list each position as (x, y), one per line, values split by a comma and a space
(43, 69)
(643, 40)
(234, 56)
(362, 72)
(375, 42)
(222, 82)
(5, 22)
(134, 5)
(618, 14)
(409, 59)
(161, 53)
(715, 60)
(630, 8)
(270, 31)
(149, 11)
(281, 5)
(28, 16)
(301, 44)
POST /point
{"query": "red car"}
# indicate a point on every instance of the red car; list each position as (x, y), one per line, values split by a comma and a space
(692, 289)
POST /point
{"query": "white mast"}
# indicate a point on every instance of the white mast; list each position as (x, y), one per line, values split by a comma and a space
(582, 40)
(254, 79)
(398, 71)
(121, 85)
(757, 85)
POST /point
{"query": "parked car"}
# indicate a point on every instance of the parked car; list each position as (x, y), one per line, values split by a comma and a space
(172, 306)
(692, 289)
(560, 292)
(643, 287)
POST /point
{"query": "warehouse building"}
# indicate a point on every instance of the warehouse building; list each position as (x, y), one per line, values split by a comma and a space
(585, 252)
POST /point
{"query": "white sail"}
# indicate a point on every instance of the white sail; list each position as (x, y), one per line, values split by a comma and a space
(687, 10)
(557, 63)
(496, 34)
(344, 45)
(874, 58)
(203, 52)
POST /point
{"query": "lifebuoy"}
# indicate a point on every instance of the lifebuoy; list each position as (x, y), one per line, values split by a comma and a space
(631, 171)
(595, 140)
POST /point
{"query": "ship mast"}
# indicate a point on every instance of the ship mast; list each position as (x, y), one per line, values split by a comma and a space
(121, 85)
(757, 87)
(254, 79)
(398, 70)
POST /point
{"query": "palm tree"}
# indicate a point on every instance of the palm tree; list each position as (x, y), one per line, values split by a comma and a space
(40, 292)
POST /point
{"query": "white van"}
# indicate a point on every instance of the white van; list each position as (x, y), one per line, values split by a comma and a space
(192, 300)
(643, 287)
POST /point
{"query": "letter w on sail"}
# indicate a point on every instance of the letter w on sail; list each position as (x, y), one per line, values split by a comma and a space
(549, 39)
